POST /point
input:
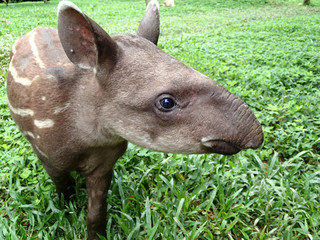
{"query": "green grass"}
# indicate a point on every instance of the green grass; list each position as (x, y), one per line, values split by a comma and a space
(266, 52)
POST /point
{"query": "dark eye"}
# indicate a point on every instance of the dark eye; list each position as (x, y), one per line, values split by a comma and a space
(167, 103)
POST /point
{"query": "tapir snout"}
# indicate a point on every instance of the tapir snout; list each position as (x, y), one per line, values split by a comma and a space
(238, 128)
(235, 128)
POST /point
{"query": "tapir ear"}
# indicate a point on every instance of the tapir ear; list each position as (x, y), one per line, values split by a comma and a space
(84, 41)
(149, 27)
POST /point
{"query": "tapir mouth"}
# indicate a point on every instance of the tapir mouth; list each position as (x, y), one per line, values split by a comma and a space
(220, 146)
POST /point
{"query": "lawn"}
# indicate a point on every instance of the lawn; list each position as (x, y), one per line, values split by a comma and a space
(267, 53)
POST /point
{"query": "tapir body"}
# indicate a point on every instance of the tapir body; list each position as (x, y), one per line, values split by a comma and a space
(78, 95)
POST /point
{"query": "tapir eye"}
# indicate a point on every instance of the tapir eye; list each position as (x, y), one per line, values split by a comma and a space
(167, 103)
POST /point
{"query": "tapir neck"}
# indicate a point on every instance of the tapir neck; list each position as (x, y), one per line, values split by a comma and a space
(89, 122)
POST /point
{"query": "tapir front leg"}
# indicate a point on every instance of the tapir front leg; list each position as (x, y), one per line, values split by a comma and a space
(97, 187)
(65, 184)
(98, 180)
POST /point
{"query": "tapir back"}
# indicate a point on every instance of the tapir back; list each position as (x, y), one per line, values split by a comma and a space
(39, 80)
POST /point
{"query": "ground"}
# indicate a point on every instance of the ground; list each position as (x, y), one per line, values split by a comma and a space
(267, 53)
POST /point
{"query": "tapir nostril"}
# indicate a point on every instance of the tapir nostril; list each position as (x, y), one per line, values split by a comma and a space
(219, 146)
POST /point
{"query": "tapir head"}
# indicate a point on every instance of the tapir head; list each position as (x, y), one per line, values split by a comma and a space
(151, 99)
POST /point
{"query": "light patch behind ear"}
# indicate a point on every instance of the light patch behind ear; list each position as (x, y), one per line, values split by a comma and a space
(76, 35)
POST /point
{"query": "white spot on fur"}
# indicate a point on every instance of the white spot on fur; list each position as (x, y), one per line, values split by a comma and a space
(38, 137)
(43, 98)
(23, 112)
(93, 194)
(41, 152)
(89, 203)
(48, 123)
(61, 109)
(27, 133)
(35, 50)
(173, 60)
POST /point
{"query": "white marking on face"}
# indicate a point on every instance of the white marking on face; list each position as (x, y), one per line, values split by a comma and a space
(23, 112)
(47, 123)
(22, 80)
(27, 133)
(61, 109)
(41, 152)
(35, 50)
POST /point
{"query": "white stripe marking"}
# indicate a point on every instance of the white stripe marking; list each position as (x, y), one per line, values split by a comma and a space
(48, 123)
(21, 80)
(27, 133)
(61, 109)
(23, 112)
(42, 153)
(35, 50)
(14, 49)
(84, 66)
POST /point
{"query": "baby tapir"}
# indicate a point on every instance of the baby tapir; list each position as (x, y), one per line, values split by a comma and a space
(78, 95)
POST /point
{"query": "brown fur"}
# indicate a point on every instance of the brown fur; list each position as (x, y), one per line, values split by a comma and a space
(80, 96)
